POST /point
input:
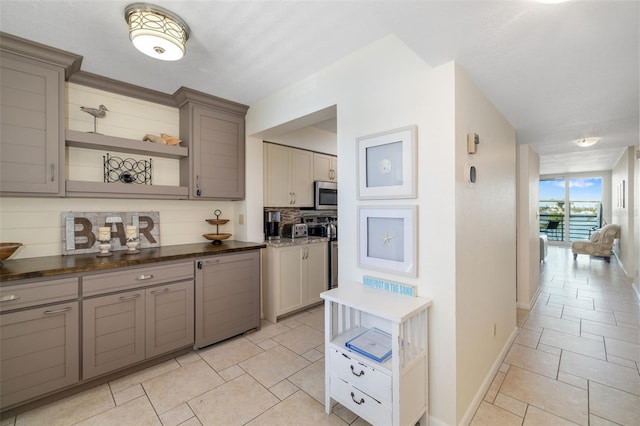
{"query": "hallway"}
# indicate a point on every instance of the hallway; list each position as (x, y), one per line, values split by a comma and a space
(576, 359)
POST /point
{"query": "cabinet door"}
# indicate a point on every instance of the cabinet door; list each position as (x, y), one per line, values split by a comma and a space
(302, 177)
(316, 271)
(169, 313)
(334, 168)
(289, 264)
(39, 351)
(31, 158)
(227, 296)
(325, 167)
(277, 176)
(113, 331)
(218, 151)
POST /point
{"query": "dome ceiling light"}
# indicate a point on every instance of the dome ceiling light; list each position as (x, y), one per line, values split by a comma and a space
(586, 142)
(156, 32)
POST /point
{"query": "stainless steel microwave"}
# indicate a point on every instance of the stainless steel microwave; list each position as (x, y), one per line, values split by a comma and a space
(325, 195)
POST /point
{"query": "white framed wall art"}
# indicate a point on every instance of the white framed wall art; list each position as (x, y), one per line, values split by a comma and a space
(387, 239)
(387, 164)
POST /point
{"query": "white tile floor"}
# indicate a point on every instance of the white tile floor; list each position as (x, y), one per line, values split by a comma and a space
(575, 361)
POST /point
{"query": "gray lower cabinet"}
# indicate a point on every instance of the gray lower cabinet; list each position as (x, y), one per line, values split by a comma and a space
(227, 296)
(170, 321)
(38, 339)
(149, 319)
(113, 332)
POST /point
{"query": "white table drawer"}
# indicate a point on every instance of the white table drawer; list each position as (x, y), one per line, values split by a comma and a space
(363, 376)
(136, 277)
(37, 293)
(358, 402)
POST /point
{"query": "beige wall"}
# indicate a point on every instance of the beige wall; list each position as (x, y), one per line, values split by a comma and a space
(413, 93)
(485, 250)
(624, 215)
(528, 232)
(636, 220)
(309, 138)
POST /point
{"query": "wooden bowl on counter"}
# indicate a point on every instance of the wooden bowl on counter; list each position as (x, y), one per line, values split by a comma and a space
(216, 238)
(7, 249)
(217, 221)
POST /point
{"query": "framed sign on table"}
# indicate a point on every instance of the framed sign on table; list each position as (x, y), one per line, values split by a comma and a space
(387, 239)
(387, 164)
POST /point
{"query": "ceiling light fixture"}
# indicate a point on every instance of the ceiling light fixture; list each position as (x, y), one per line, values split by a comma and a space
(156, 32)
(586, 142)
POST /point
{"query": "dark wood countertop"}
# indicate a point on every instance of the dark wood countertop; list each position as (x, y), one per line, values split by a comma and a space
(50, 266)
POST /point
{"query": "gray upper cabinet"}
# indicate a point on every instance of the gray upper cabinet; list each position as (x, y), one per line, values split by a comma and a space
(32, 109)
(213, 129)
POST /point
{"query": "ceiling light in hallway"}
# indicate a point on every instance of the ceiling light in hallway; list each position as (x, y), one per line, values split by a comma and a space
(586, 142)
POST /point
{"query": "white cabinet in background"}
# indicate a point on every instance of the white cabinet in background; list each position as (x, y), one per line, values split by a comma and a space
(325, 167)
(392, 392)
(288, 176)
(293, 278)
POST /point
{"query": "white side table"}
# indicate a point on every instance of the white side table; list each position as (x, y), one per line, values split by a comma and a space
(394, 392)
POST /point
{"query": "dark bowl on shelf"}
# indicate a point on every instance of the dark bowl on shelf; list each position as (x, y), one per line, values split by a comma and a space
(7, 249)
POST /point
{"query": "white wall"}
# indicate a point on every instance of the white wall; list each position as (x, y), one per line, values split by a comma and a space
(636, 220)
(624, 215)
(528, 228)
(366, 106)
(386, 86)
(485, 242)
(310, 138)
(36, 222)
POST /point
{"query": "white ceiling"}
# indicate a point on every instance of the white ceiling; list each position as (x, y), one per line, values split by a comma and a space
(557, 72)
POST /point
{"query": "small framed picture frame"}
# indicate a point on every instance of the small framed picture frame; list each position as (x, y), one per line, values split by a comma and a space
(387, 239)
(387, 164)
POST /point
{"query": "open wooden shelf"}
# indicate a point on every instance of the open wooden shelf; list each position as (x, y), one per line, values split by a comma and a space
(78, 139)
(124, 190)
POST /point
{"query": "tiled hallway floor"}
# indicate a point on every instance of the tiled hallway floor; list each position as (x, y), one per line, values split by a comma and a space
(576, 361)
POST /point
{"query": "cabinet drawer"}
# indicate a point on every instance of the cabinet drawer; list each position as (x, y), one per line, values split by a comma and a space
(359, 402)
(37, 293)
(137, 277)
(363, 376)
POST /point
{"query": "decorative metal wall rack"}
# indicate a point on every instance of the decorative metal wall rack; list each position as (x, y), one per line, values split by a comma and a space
(127, 170)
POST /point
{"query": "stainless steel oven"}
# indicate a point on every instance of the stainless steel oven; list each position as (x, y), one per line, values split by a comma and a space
(325, 195)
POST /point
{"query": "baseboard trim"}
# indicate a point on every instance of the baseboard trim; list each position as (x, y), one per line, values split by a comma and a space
(532, 302)
(475, 403)
(636, 290)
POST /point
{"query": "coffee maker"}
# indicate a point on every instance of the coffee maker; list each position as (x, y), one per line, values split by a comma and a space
(272, 226)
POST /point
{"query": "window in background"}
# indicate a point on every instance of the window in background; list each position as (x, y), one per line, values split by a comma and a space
(583, 196)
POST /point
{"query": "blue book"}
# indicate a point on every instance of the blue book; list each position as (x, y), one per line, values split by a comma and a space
(372, 343)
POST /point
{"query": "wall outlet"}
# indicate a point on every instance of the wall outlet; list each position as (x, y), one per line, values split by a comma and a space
(240, 219)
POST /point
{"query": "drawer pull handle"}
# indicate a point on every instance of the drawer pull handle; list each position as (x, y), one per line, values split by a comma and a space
(354, 400)
(9, 298)
(164, 290)
(356, 374)
(133, 296)
(143, 277)
(58, 311)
